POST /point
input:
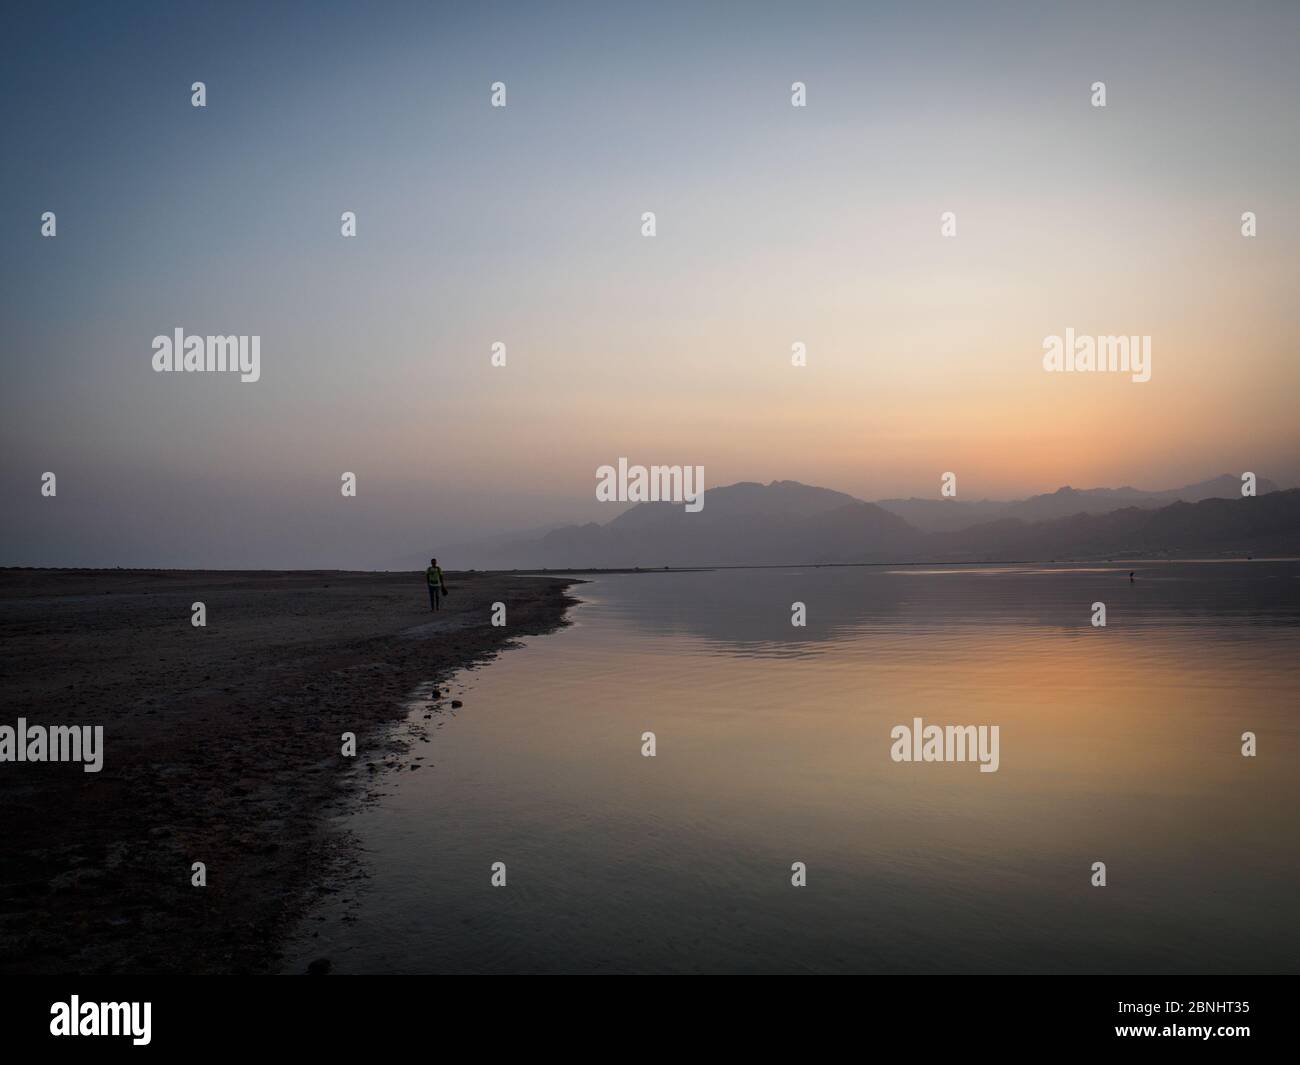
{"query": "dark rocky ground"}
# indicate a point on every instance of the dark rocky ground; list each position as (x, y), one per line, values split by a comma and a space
(221, 745)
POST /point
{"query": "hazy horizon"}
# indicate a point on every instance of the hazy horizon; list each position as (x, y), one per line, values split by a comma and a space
(775, 225)
(468, 555)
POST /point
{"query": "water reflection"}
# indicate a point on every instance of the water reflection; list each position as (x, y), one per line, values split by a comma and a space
(1119, 744)
(748, 611)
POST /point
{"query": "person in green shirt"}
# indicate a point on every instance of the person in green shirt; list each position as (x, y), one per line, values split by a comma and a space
(433, 577)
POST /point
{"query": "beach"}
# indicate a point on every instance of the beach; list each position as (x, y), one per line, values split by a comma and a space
(222, 744)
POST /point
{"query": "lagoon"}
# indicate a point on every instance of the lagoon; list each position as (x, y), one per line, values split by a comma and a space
(1119, 745)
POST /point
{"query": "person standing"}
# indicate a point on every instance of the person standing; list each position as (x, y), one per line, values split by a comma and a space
(437, 586)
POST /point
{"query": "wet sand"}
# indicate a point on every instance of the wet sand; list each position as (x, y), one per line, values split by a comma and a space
(221, 745)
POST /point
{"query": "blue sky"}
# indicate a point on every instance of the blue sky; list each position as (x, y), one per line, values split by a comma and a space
(521, 224)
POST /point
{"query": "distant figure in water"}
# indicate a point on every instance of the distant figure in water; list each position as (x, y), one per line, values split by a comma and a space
(1130, 576)
(433, 577)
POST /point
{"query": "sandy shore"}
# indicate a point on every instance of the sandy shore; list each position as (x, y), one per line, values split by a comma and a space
(221, 745)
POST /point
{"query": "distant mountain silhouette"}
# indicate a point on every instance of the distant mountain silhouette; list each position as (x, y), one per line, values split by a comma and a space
(786, 522)
(946, 515)
(1265, 525)
(744, 523)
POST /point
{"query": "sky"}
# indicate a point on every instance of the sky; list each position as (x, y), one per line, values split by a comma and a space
(522, 224)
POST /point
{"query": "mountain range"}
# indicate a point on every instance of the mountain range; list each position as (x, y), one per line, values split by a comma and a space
(786, 522)
(947, 515)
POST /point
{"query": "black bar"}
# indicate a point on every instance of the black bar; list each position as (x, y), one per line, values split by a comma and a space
(401, 1017)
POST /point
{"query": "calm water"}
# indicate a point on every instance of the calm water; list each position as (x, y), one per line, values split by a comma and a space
(1119, 745)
